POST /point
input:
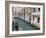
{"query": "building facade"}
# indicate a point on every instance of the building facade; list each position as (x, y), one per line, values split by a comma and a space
(35, 17)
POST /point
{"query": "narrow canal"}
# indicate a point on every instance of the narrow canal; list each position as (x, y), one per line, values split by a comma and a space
(23, 25)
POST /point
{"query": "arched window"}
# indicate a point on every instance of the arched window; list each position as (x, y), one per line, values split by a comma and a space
(33, 18)
(38, 19)
(38, 9)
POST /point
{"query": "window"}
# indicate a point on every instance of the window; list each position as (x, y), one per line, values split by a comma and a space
(38, 9)
(29, 18)
(38, 19)
(33, 18)
(33, 9)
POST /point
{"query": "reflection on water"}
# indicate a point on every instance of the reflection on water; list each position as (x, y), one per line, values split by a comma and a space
(21, 25)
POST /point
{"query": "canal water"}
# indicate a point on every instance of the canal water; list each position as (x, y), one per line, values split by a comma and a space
(23, 25)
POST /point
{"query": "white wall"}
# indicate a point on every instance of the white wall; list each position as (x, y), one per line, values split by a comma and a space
(35, 18)
(2, 20)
